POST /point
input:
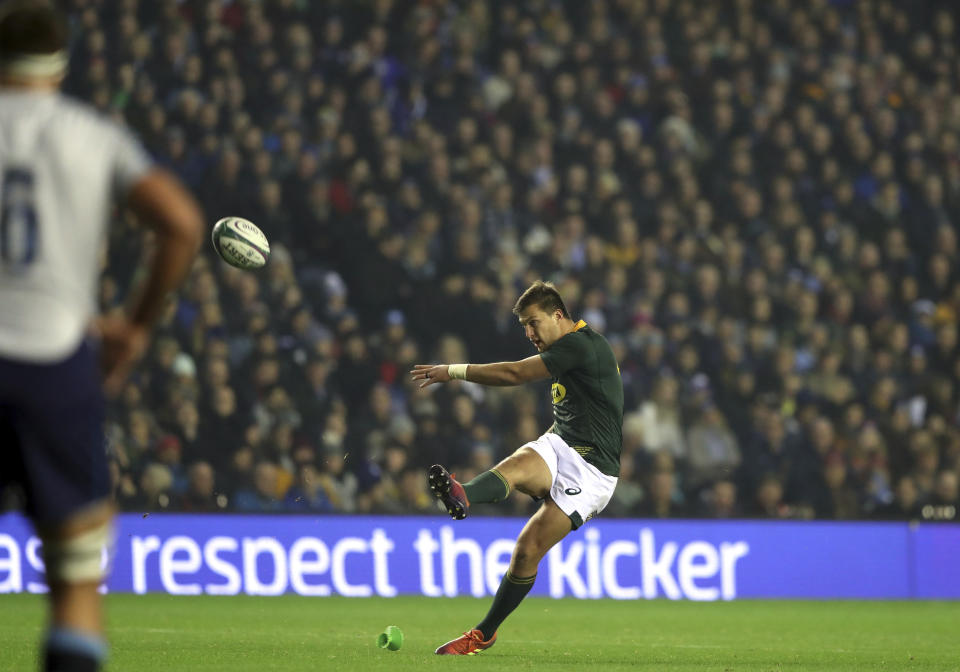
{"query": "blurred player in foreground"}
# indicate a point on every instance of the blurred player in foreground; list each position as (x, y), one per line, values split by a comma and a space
(573, 467)
(62, 167)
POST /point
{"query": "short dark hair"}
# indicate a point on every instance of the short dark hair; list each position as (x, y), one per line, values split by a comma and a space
(31, 27)
(543, 295)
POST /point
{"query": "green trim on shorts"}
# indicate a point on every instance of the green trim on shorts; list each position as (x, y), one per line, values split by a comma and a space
(575, 519)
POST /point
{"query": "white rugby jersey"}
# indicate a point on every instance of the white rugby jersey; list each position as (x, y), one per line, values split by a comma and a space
(62, 167)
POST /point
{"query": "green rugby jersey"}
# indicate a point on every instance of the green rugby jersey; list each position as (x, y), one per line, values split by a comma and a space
(587, 396)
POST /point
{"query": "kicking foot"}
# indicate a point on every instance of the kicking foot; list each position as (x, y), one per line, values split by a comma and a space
(468, 644)
(449, 491)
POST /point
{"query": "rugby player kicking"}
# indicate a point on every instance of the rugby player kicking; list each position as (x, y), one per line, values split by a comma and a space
(572, 468)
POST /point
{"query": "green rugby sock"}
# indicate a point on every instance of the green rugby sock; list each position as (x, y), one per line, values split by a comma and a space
(509, 595)
(489, 486)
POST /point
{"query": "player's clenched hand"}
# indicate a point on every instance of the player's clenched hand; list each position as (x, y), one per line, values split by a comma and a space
(122, 344)
(430, 374)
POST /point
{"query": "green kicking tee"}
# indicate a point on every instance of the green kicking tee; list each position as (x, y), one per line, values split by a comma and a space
(587, 396)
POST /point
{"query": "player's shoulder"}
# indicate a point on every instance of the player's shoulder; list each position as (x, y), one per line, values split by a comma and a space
(68, 119)
(589, 339)
(579, 339)
(583, 332)
(75, 112)
(575, 336)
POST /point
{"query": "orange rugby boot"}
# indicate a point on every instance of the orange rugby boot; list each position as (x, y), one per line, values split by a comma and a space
(469, 643)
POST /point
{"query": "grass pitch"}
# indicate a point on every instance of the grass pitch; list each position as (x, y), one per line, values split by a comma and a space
(159, 632)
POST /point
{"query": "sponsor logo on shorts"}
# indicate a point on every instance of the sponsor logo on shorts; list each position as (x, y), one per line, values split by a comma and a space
(572, 491)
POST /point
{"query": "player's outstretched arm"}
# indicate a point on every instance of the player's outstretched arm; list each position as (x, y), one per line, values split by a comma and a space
(161, 201)
(499, 374)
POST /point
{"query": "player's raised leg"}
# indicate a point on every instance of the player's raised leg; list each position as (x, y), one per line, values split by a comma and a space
(541, 533)
(525, 471)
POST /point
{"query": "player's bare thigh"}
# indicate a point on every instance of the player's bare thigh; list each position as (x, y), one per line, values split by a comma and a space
(526, 472)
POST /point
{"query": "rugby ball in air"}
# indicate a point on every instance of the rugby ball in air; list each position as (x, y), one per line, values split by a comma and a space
(240, 243)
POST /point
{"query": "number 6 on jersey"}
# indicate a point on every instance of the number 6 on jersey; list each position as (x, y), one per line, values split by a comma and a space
(18, 218)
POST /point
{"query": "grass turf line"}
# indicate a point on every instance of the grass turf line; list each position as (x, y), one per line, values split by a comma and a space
(161, 632)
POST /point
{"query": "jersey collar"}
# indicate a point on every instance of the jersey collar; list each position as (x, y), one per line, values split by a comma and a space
(579, 325)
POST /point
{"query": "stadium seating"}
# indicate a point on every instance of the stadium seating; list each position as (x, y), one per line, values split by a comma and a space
(756, 202)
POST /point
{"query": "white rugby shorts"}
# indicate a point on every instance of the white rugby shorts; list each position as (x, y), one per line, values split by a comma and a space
(579, 488)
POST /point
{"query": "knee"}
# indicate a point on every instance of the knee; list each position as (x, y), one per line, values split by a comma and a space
(527, 555)
(527, 472)
(77, 558)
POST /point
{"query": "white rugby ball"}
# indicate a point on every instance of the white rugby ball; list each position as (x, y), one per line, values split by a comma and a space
(240, 243)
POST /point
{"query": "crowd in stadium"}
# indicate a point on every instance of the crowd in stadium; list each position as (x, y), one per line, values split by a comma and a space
(756, 202)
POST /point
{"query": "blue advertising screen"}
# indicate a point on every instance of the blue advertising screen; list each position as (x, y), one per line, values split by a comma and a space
(621, 559)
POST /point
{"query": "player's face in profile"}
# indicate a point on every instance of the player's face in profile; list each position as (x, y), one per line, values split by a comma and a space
(541, 328)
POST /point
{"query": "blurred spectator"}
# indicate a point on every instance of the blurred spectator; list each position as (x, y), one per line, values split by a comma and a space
(712, 450)
(339, 484)
(836, 498)
(384, 494)
(943, 504)
(661, 500)
(264, 495)
(720, 501)
(414, 495)
(660, 419)
(168, 453)
(905, 504)
(200, 496)
(155, 488)
(629, 494)
(769, 503)
(187, 429)
(221, 431)
(307, 494)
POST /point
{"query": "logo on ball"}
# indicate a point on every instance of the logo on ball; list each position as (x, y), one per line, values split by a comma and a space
(240, 243)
